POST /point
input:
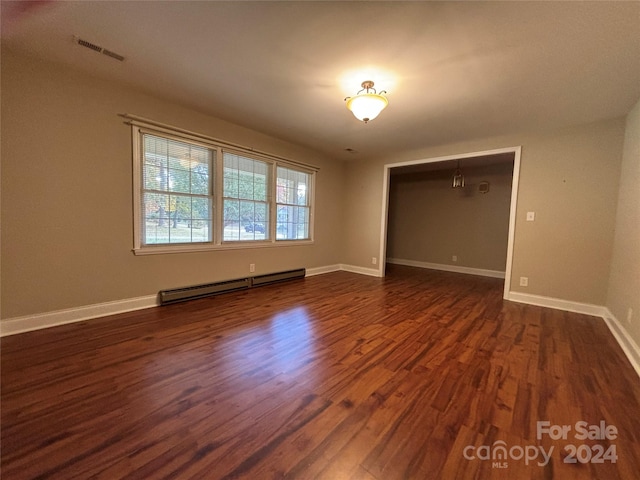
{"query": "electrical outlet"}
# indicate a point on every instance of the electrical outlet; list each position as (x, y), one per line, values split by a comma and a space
(252, 267)
(374, 260)
(454, 258)
(524, 281)
(629, 315)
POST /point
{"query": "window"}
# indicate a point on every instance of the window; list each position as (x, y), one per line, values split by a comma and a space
(192, 193)
(246, 207)
(177, 194)
(292, 197)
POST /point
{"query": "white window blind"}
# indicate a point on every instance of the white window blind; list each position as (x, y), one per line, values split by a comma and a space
(293, 193)
(177, 200)
(246, 198)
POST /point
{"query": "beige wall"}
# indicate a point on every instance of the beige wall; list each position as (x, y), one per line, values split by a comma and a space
(624, 284)
(67, 213)
(568, 177)
(430, 222)
(67, 192)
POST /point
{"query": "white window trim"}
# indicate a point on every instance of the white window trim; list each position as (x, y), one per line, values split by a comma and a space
(142, 126)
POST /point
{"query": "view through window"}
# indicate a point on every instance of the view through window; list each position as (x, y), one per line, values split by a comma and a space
(198, 195)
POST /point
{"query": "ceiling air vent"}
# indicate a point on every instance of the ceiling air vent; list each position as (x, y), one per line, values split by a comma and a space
(98, 48)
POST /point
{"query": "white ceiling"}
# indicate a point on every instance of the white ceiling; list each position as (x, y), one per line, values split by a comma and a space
(454, 70)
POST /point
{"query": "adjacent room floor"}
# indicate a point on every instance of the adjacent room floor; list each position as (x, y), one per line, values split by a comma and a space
(420, 375)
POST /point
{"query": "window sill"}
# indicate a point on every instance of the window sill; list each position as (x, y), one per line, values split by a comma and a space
(201, 247)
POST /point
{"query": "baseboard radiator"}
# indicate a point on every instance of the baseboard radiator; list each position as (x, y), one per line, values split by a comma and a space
(277, 277)
(199, 291)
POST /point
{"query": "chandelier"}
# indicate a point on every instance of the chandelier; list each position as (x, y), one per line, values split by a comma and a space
(458, 177)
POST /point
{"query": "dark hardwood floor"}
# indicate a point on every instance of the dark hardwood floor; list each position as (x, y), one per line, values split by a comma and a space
(420, 375)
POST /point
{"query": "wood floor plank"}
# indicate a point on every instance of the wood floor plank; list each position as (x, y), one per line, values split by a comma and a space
(418, 375)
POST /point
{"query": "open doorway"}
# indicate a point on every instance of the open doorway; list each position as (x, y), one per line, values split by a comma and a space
(406, 239)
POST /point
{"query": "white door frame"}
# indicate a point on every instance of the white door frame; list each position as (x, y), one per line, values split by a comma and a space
(512, 211)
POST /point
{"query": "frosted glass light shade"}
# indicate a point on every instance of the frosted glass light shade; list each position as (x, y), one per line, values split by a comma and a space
(458, 179)
(367, 106)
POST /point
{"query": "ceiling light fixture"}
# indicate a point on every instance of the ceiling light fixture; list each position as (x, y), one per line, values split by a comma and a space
(458, 177)
(367, 104)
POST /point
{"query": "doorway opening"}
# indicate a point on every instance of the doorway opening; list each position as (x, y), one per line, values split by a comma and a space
(439, 170)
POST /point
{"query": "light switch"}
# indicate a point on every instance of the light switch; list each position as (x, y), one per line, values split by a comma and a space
(531, 216)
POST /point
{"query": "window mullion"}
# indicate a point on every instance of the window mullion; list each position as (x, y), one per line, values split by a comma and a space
(218, 200)
(272, 208)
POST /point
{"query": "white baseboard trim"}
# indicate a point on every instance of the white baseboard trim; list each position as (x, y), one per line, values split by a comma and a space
(448, 268)
(372, 272)
(557, 303)
(28, 323)
(322, 270)
(628, 345)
